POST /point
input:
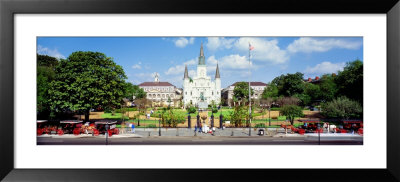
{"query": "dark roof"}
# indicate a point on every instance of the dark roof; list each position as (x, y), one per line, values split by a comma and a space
(252, 84)
(149, 84)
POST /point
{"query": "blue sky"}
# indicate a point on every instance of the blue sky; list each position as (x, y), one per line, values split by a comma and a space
(142, 57)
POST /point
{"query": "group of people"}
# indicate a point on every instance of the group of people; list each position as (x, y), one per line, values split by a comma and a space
(204, 129)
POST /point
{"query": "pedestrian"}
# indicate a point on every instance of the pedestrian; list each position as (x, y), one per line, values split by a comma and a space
(133, 128)
(200, 128)
(195, 128)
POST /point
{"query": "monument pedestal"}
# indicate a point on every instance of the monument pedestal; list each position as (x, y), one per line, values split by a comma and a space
(202, 105)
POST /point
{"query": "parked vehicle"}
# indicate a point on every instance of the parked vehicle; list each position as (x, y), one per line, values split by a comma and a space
(70, 127)
(104, 126)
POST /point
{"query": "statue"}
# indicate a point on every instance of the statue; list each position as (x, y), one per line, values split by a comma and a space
(201, 96)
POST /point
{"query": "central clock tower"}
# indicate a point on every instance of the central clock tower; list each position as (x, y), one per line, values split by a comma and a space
(201, 67)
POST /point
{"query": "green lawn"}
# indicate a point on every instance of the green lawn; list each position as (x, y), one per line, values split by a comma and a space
(225, 112)
(110, 116)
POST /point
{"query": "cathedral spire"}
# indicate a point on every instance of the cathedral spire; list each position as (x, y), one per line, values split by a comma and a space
(217, 72)
(201, 50)
(202, 60)
(186, 72)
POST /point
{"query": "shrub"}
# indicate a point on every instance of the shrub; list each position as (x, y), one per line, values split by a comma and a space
(191, 109)
(342, 108)
(260, 125)
(107, 110)
(151, 126)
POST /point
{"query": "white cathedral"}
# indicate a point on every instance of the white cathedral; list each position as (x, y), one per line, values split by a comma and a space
(201, 88)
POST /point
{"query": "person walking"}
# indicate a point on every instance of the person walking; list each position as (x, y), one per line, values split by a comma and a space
(133, 128)
(200, 128)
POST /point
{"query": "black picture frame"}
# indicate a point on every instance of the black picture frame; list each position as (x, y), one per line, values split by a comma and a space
(8, 8)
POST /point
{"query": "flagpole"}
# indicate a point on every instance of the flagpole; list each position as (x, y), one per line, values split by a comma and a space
(249, 91)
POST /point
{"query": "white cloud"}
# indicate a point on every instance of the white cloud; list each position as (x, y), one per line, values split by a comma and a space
(50, 52)
(215, 43)
(146, 76)
(183, 42)
(137, 66)
(308, 45)
(135, 82)
(191, 40)
(264, 50)
(230, 65)
(234, 61)
(179, 69)
(325, 68)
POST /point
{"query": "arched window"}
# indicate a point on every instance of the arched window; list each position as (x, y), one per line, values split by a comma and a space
(185, 93)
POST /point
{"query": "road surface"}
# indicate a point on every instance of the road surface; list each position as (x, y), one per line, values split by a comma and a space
(200, 140)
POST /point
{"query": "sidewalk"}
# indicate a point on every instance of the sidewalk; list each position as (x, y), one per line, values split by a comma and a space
(227, 132)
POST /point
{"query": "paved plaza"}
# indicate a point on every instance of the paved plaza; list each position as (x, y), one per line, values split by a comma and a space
(230, 136)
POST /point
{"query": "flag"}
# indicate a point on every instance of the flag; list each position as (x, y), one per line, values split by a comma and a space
(251, 47)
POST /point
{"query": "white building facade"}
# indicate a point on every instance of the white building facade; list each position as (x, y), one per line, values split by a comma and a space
(161, 93)
(201, 87)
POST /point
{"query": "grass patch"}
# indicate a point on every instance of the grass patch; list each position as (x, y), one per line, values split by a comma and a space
(110, 116)
(225, 112)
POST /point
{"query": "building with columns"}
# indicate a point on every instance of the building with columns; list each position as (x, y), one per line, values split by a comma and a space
(160, 92)
(201, 86)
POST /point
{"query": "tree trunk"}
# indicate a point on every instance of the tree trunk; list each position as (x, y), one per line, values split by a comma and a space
(87, 115)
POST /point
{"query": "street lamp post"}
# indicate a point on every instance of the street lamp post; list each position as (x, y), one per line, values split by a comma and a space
(269, 115)
(107, 127)
(249, 91)
(159, 125)
(319, 135)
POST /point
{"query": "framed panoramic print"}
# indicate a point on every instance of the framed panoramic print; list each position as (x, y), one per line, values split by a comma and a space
(131, 90)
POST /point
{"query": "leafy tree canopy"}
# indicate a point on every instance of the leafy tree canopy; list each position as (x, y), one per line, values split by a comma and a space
(241, 91)
(45, 66)
(289, 84)
(134, 90)
(270, 92)
(350, 81)
(328, 88)
(292, 111)
(87, 80)
(45, 60)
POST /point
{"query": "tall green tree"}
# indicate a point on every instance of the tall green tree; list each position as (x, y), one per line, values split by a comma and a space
(328, 88)
(270, 92)
(291, 111)
(241, 91)
(290, 84)
(45, 66)
(87, 80)
(311, 94)
(350, 81)
(134, 90)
